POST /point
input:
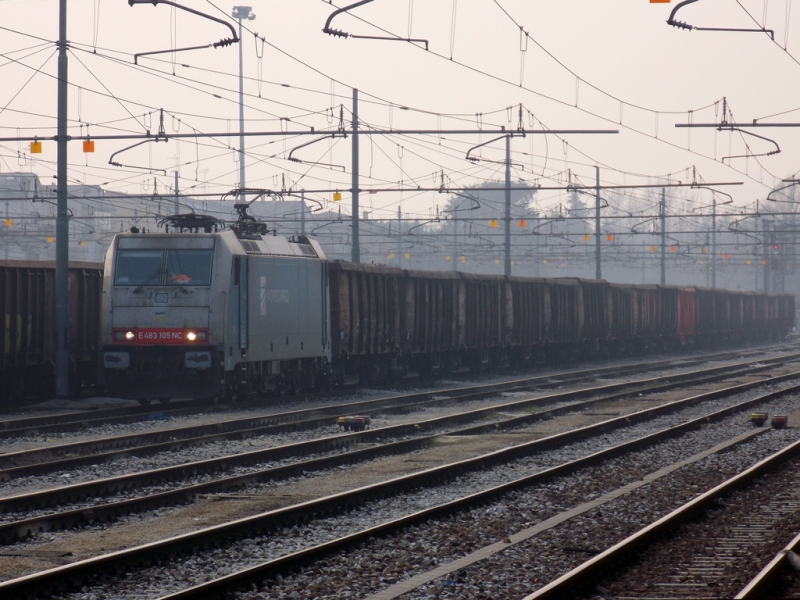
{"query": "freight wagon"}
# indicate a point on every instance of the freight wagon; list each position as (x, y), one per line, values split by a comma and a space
(386, 321)
(27, 337)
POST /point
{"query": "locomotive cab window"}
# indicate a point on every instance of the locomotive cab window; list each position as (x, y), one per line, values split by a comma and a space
(188, 267)
(163, 267)
(137, 267)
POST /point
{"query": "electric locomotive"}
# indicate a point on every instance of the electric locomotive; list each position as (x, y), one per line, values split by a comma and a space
(203, 311)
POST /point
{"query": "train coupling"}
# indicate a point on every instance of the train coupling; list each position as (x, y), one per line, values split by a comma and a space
(354, 423)
(759, 418)
(780, 421)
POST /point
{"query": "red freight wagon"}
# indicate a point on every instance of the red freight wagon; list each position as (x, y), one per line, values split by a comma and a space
(647, 313)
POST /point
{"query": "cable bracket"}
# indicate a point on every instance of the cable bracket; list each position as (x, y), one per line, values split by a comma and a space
(343, 34)
(220, 44)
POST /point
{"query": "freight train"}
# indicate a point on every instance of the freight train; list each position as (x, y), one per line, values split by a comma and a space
(238, 311)
(206, 310)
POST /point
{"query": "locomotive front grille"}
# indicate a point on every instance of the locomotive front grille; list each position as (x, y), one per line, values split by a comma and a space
(159, 371)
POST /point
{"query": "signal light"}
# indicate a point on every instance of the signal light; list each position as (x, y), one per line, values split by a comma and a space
(776, 248)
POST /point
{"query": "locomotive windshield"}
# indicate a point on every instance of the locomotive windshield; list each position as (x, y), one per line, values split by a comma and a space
(188, 267)
(163, 267)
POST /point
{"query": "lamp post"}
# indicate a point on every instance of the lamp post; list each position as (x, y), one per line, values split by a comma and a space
(239, 13)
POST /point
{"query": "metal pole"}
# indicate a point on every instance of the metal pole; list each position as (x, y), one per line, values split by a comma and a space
(356, 249)
(663, 236)
(755, 258)
(399, 238)
(242, 181)
(62, 219)
(177, 203)
(507, 269)
(765, 226)
(8, 234)
(455, 239)
(714, 243)
(598, 273)
(302, 212)
(239, 13)
(537, 256)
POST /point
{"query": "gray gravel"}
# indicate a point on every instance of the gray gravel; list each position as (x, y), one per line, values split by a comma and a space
(385, 561)
(235, 447)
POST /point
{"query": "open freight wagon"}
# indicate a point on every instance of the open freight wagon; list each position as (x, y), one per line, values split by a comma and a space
(28, 335)
(386, 321)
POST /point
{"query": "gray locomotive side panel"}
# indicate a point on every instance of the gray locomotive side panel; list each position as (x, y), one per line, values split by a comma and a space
(286, 308)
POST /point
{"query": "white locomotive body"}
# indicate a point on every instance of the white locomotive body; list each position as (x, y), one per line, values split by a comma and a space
(213, 314)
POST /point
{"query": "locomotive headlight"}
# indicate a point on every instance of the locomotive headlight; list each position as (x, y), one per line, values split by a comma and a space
(129, 335)
(201, 335)
(191, 336)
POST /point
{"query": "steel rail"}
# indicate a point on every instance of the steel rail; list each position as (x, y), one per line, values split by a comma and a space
(18, 530)
(102, 487)
(71, 422)
(25, 425)
(767, 578)
(293, 561)
(588, 572)
(171, 439)
(87, 572)
(77, 420)
(86, 419)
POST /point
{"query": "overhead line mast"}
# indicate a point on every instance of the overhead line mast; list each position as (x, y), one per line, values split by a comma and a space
(62, 220)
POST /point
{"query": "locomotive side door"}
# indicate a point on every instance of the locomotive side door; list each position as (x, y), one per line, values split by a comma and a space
(242, 260)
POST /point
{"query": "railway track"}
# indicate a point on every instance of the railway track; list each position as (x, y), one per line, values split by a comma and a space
(708, 558)
(778, 578)
(104, 487)
(330, 446)
(70, 422)
(48, 459)
(82, 570)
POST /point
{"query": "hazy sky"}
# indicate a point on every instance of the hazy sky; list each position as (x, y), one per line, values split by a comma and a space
(576, 65)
